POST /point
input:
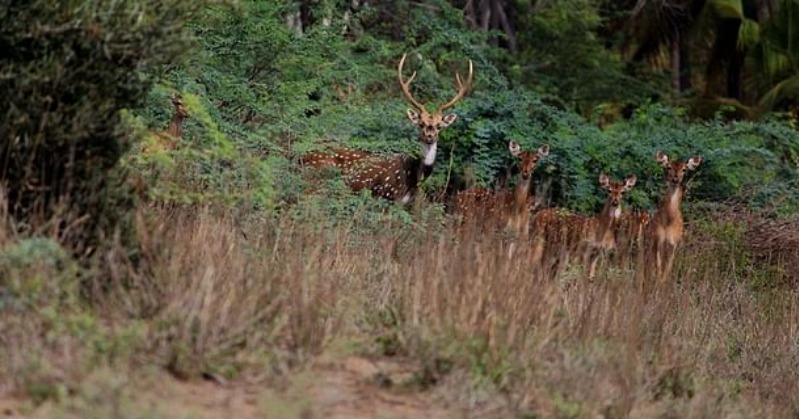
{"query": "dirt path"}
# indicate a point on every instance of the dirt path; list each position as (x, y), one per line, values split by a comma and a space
(356, 388)
(350, 387)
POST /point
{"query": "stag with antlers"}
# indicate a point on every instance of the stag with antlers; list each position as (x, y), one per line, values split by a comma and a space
(396, 178)
(513, 207)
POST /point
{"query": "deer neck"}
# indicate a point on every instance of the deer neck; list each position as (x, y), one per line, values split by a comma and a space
(175, 127)
(520, 194)
(429, 152)
(670, 208)
(608, 219)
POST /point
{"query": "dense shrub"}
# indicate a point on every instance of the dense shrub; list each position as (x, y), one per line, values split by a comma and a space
(266, 90)
(67, 70)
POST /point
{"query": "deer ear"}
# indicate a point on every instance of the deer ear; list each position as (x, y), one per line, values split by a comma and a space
(414, 116)
(543, 150)
(693, 162)
(448, 119)
(629, 182)
(662, 158)
(514, 148)
(604, 181)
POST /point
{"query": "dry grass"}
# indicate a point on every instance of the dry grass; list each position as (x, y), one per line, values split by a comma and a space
(229, 296)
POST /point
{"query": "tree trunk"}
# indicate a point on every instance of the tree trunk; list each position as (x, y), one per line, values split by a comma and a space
(485, 14)
(765, 9)
(506, 25)
(306, 17)
(492, 15)
(685, 65)
(734, 67)
(676, 63)
(470, 14)
(724, 66)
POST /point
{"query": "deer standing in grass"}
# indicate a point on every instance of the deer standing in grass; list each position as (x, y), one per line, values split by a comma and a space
(630, 236)
(169, 139)
(161, 141)
(667, 227)
(564, 233)
(480, 204)
(396, 178)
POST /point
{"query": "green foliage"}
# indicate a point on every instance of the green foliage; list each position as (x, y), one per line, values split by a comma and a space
(776, 55)
(69, 68)
(256, 89)
(562, 56)
(35, 272)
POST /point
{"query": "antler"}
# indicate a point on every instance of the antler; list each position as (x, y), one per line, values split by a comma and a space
(406, 86)
(462, 88)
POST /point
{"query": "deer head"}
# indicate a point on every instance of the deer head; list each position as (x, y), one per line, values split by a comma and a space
(430, 124)
(527, 159)
(175, 127)
(675, 170)
(180, 108)
(615, 192)
(641, 217)
(167, 140)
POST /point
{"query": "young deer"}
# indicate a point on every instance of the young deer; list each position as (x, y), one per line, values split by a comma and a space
(479, 204)
(630, 236)
(168, 140)
(666, 229)
(565, 233)
(396, 178)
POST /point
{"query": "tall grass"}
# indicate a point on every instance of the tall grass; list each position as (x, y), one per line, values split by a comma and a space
(217, 293)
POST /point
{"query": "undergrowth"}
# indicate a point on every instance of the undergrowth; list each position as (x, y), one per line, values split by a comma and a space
(226, 296)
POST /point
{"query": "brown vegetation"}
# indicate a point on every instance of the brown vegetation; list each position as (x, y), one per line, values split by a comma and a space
(213, 302)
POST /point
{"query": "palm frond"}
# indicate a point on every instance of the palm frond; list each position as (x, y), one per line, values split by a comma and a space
(788, 88)
(748, 34)
(728, 9)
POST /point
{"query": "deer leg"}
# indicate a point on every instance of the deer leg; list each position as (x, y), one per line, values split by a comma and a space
(590, 261)
(639, 265)
(560, 258)
(650, 263)
(670, 251)
(511, 248)
(657, 255)
(538, 256)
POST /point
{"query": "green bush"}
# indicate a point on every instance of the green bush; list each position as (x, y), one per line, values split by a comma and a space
(264, 90)
(68, 69)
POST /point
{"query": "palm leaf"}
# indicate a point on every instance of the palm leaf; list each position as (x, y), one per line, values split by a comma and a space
(788, 88)
(728, 9)
(748, 34)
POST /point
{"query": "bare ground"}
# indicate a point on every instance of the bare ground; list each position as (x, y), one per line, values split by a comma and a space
(349, 386)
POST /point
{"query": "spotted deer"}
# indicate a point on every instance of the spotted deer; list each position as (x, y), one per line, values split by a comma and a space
(513, 207)
(558, 233)
(168, 140)
(666, 229)
(395, 178)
